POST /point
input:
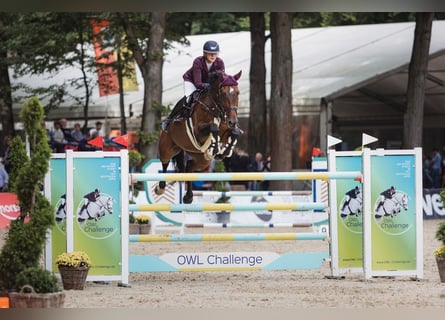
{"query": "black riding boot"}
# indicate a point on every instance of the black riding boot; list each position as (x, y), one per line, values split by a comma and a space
(178, 109)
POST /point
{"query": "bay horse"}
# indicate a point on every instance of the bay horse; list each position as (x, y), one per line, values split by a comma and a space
(210, 131)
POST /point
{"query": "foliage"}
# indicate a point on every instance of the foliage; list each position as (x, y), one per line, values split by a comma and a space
(25, 242)
(440, 232)
(134, 158)
(221, 185)
(73, 259)
(147, 138)
(40, 279)
(143, 219)
(131, 218)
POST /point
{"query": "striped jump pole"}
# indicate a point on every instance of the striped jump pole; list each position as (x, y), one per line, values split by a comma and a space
(226, 237)
(252, 193)
(242, 176)
(250, 225)
(200, 207)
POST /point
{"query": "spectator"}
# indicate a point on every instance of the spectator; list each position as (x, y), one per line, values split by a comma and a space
(436, 168)
(4, 179)
(7, 154)
(256, 166)
(76, 134)
(66, 131)
(97, 131)
(239, 162)
(427, 179)
(58, 138)
(266, 168)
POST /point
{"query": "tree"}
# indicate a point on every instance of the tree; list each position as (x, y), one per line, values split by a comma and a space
(25, 241)
(149, 56)
(6, 114)
(257, 133)
(281, 96)
(418, 69)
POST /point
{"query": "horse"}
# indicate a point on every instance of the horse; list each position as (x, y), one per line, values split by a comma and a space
(209, 131)
(392, 207)
(353, 208)
(95, 210)
(61, 209)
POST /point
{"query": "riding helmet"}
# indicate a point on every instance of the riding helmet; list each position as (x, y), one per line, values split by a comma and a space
(211, 47)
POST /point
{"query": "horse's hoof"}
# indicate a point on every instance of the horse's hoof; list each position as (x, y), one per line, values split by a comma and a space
(159, 191)
(187, 200)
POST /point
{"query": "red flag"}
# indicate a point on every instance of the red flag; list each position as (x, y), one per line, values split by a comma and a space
(123, 140)
(316, 152)
(97, 142)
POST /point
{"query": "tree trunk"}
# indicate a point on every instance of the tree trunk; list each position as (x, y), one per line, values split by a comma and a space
(257, 131)
(7, 117)
(150, 64)
(418, 69)
(281, 97)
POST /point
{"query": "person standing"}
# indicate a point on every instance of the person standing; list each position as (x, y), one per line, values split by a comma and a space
(4, 179)
(436, 168)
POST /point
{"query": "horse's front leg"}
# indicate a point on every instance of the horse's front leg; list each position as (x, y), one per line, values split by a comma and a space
(160, 187)
(227, 150)
(213, 130)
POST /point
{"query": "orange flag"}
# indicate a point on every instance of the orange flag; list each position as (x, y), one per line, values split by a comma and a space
(316, 152)
(97, 142)
(123, 140)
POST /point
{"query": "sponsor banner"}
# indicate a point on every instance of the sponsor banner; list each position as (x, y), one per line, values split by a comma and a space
(433, 208)
(392, 219)
(9, 208)
(349, 216)
(58, 200)
(97, 212)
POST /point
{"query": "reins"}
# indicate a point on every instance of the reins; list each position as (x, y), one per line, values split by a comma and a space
(217, 110)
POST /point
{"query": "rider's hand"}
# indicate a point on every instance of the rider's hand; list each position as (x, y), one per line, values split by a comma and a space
(206, 86)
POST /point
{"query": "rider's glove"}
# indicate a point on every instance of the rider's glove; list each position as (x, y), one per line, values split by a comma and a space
(206, 86)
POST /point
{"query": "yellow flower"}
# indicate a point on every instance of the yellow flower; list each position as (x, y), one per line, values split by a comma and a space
(440, 251)
(143, 219)
(73, 259)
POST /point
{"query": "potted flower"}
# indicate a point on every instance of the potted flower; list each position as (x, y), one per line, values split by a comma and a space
(144, 223)
(39, 288)
(73, 267)
(133, 225)
(439, 253)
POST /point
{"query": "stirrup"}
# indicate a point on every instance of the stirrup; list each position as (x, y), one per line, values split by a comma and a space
(164, 124)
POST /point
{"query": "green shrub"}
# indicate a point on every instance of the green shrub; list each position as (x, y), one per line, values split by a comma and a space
(40, 279)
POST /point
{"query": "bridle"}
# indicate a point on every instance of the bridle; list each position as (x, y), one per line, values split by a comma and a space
(217, 109)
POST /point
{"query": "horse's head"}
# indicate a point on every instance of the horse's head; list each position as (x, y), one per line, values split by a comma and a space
(224, 89)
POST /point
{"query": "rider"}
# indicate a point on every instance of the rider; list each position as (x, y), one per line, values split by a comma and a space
(197, 77)
(90, 197)
(387, 194)
(351, 194)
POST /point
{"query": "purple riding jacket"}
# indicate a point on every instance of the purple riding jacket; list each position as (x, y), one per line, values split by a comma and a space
(198, 73)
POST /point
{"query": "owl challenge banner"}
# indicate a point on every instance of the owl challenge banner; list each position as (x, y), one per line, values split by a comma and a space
(393, 212)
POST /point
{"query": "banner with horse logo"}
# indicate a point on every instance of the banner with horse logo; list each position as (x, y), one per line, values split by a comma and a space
(393, 216)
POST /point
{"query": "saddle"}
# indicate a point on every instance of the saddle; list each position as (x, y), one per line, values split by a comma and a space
(182, 109)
